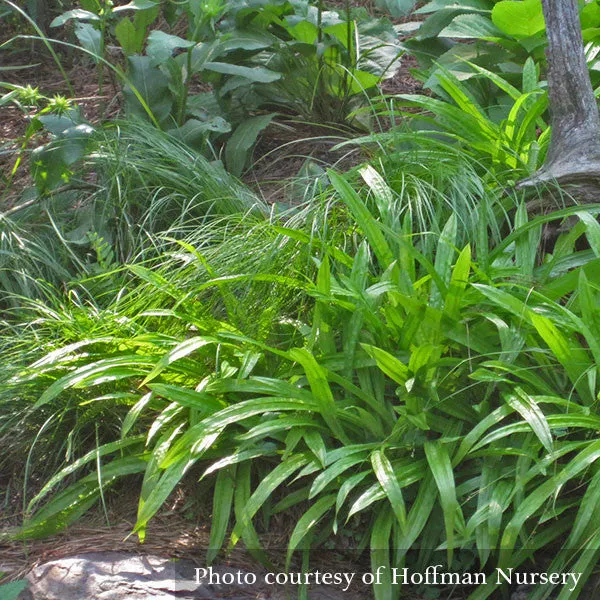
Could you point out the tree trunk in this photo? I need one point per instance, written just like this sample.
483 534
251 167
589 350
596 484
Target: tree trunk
574 153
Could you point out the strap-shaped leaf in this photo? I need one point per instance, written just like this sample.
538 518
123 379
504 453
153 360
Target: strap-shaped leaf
364 219
441 467
306 523
222 502
387 478
322 395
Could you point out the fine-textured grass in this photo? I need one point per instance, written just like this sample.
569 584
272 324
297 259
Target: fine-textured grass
507 142
137 188
384 364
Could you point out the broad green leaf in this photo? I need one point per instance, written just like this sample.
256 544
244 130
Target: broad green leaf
314 440
78 497
475 434
239 456
500 82
382 193
526 246
108 369
589 15
265 490
200 401
381 532
237 150
134 412
589 305
458 283
334 471
292 499
443 259
180 351
371 495
12 590
136 5
531 118
348 486
144 17
534 501
130 38
157 497
420 512
195 133
322 395
587 515
269 386
77 14
361 81
467 103
396 8
584 566
157 456
90 39
242 494
592 231
321 333
390 365
153 97
161 46
530 77
472 26
568 352
519 18
555 422
254 74
271 427
93 455
466 5
364 219
245 40
527 407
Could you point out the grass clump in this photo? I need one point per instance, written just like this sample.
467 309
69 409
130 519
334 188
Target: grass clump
414 379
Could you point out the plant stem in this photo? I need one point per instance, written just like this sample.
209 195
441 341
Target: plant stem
105 16
349 61
188 75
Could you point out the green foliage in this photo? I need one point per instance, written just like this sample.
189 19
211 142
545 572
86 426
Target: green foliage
499 36
94 19
519 19
423 371
51 162
294 57
147 187
92 22
508 142
328 61
399 361
11 591
397 8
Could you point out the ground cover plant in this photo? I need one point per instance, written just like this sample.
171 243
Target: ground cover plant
405 361
429 370
235 59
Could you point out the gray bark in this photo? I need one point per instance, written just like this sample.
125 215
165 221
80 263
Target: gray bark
574 152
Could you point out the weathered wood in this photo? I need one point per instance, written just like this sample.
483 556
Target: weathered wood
574 152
